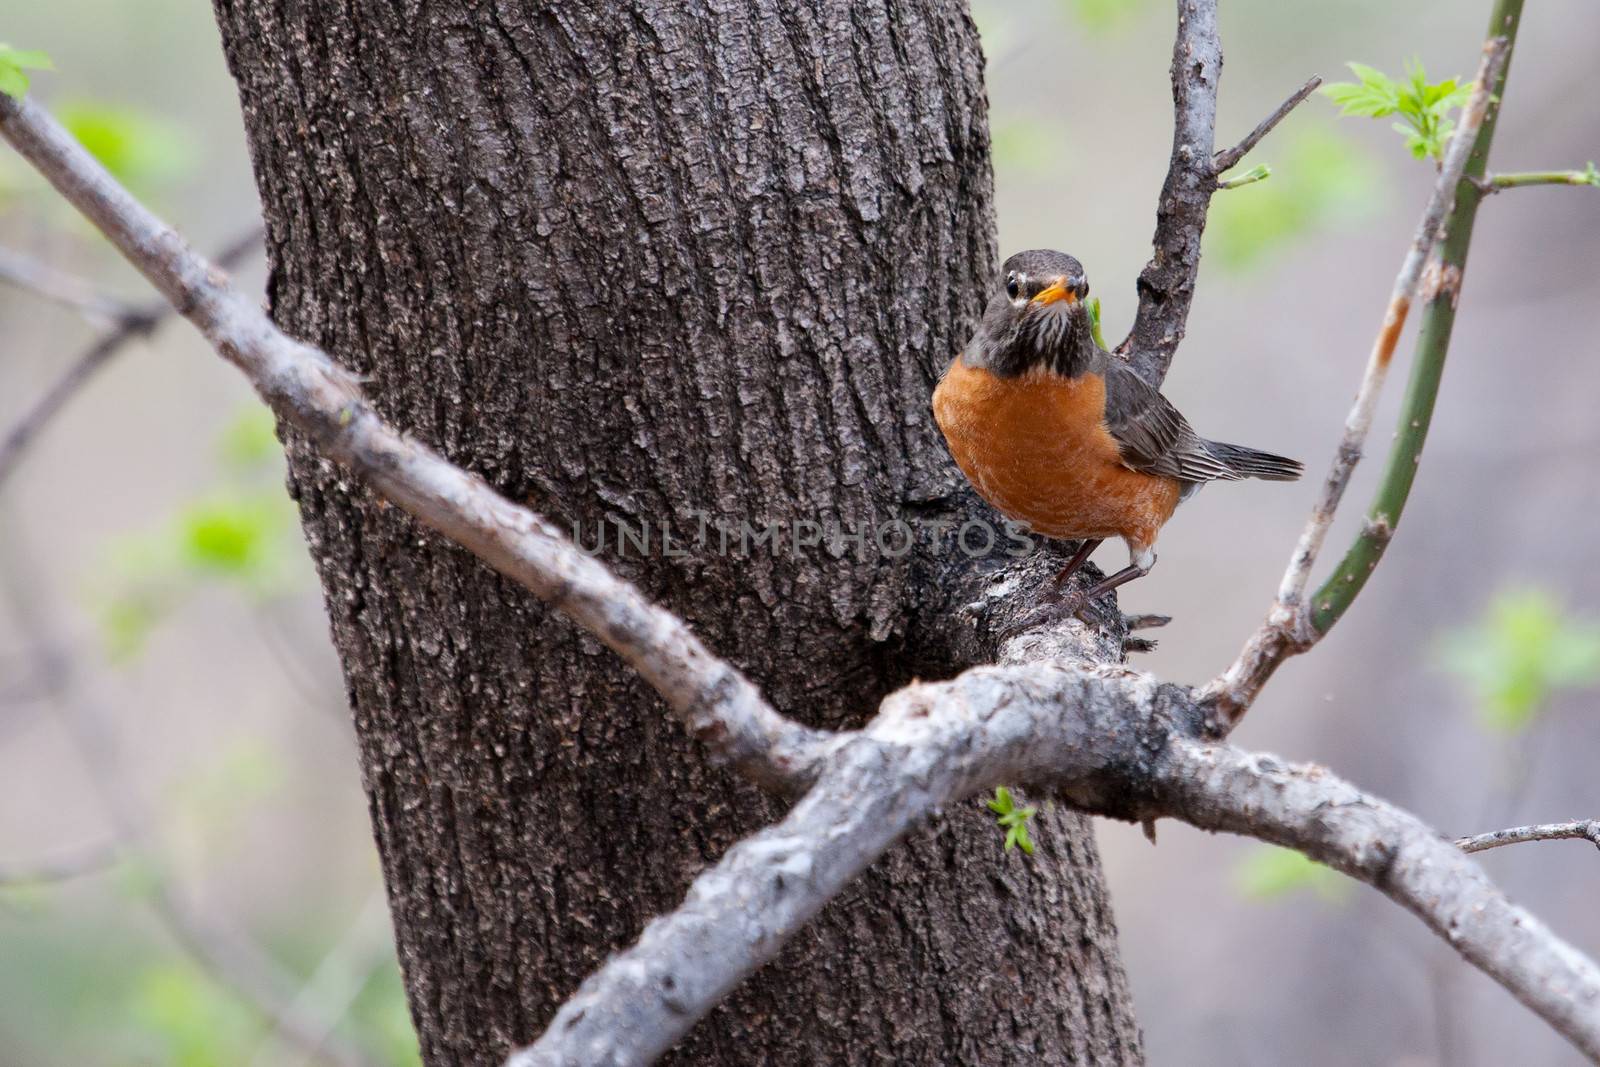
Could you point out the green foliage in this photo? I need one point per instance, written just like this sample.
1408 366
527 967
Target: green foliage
250 441
138 149
189 1021
1012 819
1323 179
1020 144
1591 175
241 534
1268 872
13 63
1521 653
229 536
1424 107
382 1013
1104 16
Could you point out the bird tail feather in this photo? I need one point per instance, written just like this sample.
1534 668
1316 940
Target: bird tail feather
1253 463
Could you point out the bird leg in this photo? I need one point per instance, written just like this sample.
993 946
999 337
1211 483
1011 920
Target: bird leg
1086 548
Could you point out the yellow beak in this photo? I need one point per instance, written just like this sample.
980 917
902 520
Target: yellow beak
1056 290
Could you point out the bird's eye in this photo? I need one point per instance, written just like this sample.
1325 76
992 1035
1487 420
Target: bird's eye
1011 286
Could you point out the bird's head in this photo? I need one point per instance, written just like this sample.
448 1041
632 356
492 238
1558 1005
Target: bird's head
1037 318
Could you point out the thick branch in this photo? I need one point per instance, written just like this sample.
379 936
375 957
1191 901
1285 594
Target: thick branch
1166 284
1108 741
1578 830
305 387
1218 787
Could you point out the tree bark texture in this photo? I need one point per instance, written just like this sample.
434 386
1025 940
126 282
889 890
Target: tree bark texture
659 263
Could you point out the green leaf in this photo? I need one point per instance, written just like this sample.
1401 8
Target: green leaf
13 82
1522 652
1002 802
224 536
1268 872
1012 819
1094 323
138 149
1424 106
26 58
194 1020
13 61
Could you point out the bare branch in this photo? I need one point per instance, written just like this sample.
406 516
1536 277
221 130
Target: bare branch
306 387
331 990
1107 741
1228 157
62 288
1166 284
1288 628
233 961
134 323
1218 787
1579 830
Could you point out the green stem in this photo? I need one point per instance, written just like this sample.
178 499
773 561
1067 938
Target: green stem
1544 177
1433 343
1254 174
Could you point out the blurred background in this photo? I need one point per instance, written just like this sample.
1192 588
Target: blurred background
182 832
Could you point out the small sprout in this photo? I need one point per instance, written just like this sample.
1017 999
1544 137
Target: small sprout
1013 820
1259 172
1425 107
13 61
1591 176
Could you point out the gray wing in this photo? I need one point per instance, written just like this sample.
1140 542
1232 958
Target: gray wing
1151 434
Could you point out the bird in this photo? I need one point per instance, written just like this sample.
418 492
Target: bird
1065 437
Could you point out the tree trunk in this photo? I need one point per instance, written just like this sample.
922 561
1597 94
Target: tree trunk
662 264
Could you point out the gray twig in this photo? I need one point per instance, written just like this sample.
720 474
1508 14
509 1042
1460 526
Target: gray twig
131 323
1230 156
62 868
59 287
232 960
1579 829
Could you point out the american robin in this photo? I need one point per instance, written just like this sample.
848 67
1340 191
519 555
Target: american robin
1060 434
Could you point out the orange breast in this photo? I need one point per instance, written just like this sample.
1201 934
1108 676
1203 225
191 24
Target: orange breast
1036 447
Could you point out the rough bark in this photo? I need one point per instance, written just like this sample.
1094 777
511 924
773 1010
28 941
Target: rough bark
649 262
